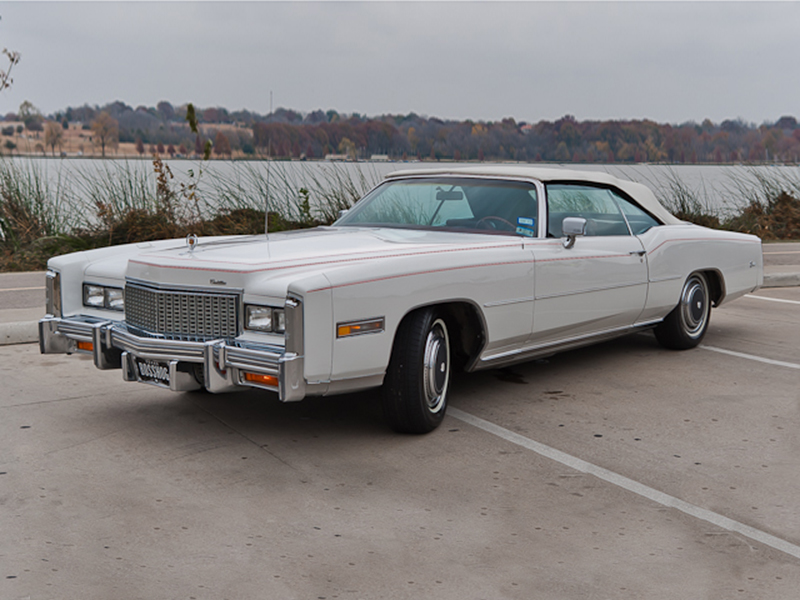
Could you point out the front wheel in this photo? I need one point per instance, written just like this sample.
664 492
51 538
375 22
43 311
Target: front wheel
685 326
418 378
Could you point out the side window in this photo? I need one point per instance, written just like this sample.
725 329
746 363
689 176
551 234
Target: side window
638 220
597 205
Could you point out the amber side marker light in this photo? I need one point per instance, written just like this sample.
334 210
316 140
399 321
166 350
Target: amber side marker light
359 327
262 379
88 346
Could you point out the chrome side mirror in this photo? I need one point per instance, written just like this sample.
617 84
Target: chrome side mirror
572 227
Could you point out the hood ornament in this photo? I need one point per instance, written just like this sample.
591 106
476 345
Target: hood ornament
191 242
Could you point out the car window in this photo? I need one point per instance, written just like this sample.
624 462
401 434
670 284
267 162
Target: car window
487 206
638 220
597 205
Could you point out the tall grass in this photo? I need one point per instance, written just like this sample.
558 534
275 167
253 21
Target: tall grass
117 202
43 213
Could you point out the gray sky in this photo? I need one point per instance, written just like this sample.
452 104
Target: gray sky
670 62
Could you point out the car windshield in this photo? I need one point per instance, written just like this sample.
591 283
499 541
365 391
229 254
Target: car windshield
507 207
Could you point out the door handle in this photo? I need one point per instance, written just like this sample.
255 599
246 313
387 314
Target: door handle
638 252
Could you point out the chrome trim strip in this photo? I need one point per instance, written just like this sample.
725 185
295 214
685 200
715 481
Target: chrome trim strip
184 287
589 290
548 348
507 302
156 348
660 279
53 293
292 364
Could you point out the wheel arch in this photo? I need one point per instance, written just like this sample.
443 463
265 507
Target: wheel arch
466 325
716 284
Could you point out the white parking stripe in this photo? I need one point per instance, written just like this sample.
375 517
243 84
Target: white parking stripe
772 299
769 361
628 484
22 289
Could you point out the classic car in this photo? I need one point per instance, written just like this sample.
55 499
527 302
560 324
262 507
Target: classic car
431 272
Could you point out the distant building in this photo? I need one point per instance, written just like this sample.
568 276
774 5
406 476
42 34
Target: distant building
379 158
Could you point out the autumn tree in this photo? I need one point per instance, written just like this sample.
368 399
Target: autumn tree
53 135
140 146
30 116
222 147
106 131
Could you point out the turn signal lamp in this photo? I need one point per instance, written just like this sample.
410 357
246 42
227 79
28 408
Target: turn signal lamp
86 346
270 380
359 327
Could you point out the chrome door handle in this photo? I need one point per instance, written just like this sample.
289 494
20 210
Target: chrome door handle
638 252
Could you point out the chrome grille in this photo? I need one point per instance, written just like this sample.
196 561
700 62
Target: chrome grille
182 314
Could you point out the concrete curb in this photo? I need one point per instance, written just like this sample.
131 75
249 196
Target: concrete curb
24 332
27 332
773 280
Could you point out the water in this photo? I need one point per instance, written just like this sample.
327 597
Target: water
721 188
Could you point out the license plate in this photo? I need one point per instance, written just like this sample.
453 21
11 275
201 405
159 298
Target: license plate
152 371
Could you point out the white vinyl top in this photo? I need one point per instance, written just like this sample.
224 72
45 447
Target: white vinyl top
643 195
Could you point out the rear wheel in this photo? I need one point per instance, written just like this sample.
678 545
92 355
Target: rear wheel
685 326
418 378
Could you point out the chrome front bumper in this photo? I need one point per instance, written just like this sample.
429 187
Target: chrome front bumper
113 346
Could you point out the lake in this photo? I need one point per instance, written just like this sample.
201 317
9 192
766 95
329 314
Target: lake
718 187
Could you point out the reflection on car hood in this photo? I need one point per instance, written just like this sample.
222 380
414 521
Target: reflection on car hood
324 245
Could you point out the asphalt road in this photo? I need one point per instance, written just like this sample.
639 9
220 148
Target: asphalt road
620 471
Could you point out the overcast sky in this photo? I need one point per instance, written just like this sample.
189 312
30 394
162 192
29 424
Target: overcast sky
670 62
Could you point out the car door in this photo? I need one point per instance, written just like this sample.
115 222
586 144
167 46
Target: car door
599 283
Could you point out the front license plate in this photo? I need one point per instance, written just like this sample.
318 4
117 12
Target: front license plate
153 371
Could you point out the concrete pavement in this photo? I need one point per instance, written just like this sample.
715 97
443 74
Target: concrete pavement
121 490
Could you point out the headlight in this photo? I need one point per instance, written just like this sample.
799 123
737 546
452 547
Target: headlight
264 318
115 299
98 296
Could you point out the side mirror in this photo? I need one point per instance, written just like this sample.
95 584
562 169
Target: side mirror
572 227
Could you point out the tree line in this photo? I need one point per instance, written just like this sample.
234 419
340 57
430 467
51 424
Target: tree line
286 134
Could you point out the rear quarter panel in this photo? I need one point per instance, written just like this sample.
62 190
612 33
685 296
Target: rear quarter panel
676 251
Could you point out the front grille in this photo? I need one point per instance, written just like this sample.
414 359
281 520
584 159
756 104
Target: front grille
182 314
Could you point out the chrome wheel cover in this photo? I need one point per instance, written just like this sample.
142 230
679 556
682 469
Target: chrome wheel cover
694 305
436 366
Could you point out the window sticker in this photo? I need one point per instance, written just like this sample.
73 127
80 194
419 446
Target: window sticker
526 226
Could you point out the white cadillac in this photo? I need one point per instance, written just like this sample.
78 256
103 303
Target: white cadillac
431 272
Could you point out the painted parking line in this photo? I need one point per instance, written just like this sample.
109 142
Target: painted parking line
630 485
761 359
772 299
22 289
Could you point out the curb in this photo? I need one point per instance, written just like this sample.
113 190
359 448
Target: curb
25 332
773 280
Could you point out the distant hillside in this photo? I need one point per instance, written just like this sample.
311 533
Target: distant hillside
289 134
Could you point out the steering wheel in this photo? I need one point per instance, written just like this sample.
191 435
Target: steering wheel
495 222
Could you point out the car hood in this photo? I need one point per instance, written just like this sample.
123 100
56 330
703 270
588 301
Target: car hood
242 261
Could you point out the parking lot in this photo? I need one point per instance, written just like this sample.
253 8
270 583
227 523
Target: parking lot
617 471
